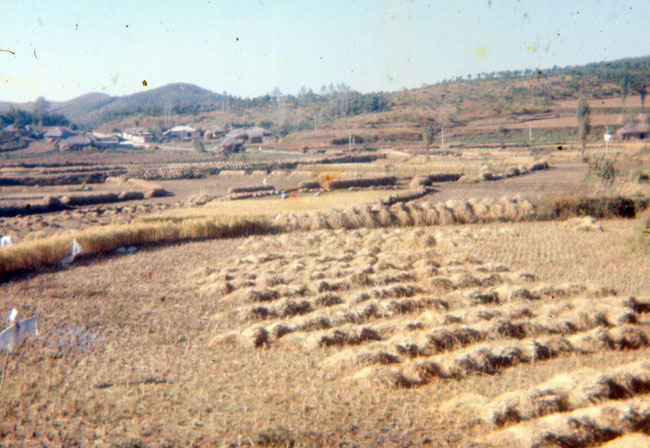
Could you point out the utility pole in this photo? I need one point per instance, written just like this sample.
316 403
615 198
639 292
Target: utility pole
442 137
350 140
530 133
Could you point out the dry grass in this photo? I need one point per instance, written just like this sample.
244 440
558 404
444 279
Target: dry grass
31 255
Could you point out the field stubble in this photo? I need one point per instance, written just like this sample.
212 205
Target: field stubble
360 336
366 337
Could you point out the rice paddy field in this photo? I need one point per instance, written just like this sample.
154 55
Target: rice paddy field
339 318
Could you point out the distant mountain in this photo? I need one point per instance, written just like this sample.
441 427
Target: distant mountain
95 108
80 109
497 89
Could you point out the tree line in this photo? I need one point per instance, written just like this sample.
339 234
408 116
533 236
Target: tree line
21 118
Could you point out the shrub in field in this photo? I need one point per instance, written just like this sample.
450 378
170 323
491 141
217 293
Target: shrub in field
602 168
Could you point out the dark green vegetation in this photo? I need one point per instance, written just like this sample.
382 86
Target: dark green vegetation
20 118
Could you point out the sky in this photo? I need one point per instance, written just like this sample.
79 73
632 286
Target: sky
61 50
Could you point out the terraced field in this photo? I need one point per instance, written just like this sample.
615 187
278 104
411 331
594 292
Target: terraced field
398 308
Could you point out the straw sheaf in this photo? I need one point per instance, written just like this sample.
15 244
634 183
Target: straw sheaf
579 428
407 215
492 357
568 392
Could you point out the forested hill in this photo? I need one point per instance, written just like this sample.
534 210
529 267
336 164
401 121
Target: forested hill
629 76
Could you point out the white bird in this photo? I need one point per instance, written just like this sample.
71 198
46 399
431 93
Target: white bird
283 195
75 250
264 181
6 241
12 336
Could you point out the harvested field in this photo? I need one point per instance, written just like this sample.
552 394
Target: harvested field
428 316
392 319
453 319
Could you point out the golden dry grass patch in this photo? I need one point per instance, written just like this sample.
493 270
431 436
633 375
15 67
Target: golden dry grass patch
38 253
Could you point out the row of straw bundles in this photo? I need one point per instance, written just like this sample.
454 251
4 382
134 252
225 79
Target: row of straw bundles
52 203
400 214
33 254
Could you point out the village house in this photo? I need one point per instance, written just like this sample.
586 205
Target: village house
111 141
56 133
214 133
183 132
25 131
237 138
233 144
75 143
137 136
258 135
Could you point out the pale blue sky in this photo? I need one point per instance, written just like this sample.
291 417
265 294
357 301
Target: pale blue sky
65 49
